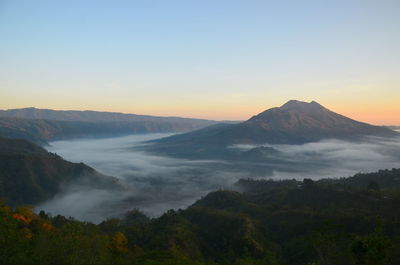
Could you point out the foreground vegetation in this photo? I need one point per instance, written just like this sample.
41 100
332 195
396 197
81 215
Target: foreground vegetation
345 221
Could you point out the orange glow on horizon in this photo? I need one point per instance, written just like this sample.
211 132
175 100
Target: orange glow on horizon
384 114
376 116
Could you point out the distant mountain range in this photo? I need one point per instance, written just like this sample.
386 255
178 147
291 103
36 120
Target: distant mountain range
42 125
295 122
30 175
93 116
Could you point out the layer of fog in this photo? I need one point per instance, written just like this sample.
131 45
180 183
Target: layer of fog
155 184
333 158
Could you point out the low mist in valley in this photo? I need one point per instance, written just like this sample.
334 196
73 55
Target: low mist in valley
333 158
150 183
155 184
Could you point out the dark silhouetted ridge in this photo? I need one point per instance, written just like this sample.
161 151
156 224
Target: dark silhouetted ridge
29 174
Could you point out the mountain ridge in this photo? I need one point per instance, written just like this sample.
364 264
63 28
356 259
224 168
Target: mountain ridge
302 115
43 125
87 115
295 122
30 175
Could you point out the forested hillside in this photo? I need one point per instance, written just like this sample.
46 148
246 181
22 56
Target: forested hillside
345 221
29 174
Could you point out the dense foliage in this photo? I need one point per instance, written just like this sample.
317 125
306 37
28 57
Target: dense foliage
344 221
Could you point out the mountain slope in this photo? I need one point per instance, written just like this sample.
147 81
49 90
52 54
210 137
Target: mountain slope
29 174
37 131
40 131
301 121
295 122
42 125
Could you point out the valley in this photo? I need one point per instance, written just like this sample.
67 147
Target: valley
157 183
199 132
254 185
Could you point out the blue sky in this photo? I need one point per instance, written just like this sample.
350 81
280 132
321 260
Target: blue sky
210 59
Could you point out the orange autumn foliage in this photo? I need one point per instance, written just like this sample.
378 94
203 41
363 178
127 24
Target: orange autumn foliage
21 218
47 227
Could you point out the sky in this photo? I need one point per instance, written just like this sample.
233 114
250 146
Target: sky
214 59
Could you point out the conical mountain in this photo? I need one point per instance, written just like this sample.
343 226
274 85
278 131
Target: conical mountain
298 121
295 122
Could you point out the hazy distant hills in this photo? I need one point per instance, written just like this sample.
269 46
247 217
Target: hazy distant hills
393 127
41 125
295 122
94 116
29 174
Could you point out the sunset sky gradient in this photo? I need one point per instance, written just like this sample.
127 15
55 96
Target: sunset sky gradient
211 59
